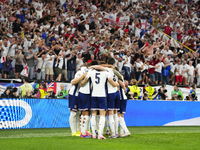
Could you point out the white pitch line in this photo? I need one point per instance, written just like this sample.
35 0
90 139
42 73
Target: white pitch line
36 135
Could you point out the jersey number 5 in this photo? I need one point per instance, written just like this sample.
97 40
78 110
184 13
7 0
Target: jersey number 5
97 78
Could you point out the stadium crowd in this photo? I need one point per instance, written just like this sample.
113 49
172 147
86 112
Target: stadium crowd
54 38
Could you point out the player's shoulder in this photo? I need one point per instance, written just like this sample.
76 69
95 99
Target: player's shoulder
79 74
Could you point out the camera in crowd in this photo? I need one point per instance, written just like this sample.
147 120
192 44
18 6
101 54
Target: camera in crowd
53 95
176 97
164 91
191 97
35 91
60 94
10 93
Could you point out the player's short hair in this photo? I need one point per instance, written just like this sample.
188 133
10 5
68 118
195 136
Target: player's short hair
111 61
94 62
101 62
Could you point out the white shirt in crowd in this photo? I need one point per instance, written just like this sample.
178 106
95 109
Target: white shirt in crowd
12 50
172 67
179 72
42 63
159 69
185 67
198 67
79 63
138 66
49 63
120 65
191 70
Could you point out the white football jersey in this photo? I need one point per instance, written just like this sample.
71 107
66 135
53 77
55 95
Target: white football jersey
75 88
112 89
122 93
98 79
87 87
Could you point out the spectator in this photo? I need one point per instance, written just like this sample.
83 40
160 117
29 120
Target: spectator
42 93
30 56
19 58
26 86
49 65
177 92
179 73
166 72
28 94
7 66
71 65
79 61
63 93
139 67
134 89
185 72
191 73
151 91
41 66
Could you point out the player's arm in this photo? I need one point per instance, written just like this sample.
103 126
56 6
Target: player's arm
122 85
117 74
84 81
77 80
98 67
109 66
114 84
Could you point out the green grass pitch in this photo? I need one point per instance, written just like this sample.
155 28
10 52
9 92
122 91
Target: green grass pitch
142 138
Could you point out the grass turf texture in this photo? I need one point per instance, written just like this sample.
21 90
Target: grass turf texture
142 138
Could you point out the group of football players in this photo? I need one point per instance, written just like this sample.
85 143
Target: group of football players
98 91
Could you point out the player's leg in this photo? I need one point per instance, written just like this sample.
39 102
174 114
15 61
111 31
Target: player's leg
93 123
72 118
102 103
123 126
72 122
116 108
86 105
78 129
94 108
110 103
101 124
106 124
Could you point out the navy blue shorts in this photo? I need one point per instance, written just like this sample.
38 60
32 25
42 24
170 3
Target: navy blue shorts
99 103
84 101
117 101
113 101
73 102
123 104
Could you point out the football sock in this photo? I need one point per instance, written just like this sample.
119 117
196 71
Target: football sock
101 125
97 120
112 125
85 124
106 123
78 121
93 124
116 123
88 124
121 130
123 124
72 122
81 122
